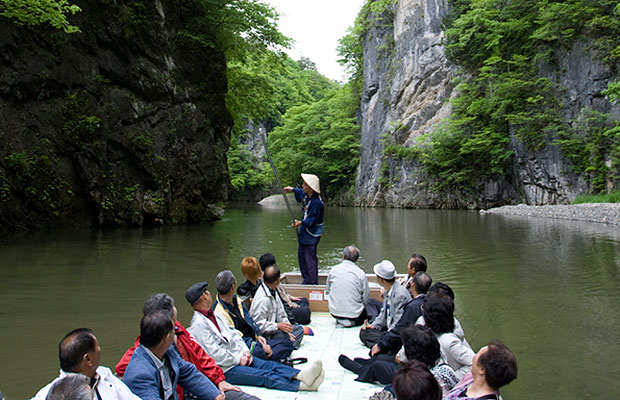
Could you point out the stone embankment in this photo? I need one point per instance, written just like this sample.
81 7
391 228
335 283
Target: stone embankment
606 213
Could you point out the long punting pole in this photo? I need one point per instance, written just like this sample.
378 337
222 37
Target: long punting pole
275 172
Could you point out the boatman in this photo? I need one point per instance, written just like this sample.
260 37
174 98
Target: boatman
310 227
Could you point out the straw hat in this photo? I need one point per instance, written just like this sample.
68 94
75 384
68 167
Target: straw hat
312 181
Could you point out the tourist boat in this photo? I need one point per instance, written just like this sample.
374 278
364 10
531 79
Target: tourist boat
291 281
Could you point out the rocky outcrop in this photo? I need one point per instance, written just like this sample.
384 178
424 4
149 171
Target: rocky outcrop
406 92
123 124
406 89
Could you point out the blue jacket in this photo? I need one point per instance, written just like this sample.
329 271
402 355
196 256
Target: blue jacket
143 378
313 209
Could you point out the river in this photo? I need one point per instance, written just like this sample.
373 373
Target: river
549 289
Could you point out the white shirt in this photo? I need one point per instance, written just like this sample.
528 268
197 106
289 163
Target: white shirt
108 386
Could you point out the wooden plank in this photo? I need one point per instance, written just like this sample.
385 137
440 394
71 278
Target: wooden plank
291 282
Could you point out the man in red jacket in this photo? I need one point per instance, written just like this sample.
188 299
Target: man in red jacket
189 350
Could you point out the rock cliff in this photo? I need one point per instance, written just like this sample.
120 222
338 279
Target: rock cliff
407 85
122 124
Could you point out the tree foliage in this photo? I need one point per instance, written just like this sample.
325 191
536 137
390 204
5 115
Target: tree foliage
37 12
499 46
261 89
321 138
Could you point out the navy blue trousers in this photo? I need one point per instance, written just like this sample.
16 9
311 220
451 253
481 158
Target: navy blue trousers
308 264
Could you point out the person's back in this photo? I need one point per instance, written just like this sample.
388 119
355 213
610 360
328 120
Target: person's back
347 287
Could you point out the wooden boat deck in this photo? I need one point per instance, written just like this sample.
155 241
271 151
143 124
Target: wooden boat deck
327 344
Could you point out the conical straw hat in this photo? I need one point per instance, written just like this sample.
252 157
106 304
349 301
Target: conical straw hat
312 181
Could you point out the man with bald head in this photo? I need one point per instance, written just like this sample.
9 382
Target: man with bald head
347 290
79 354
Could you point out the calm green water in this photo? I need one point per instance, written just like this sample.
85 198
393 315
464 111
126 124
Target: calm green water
549 289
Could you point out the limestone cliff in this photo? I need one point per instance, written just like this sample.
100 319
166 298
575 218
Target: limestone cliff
407 85
123 124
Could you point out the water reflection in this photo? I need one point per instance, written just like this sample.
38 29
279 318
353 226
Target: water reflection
548 288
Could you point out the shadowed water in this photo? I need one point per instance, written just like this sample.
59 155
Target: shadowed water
550 289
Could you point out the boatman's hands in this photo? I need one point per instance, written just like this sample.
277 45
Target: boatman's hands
296 224
287 189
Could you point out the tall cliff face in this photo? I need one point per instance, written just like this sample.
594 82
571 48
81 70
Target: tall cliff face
406 92
406 89
121 124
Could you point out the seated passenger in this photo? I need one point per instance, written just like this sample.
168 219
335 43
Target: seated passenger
415 382
493 367
238 317
396 296
156 368
79 353
297 308
438 314
347 290
71 387
420 344
391 342
417 263
231 353
188 349
268 311
252 272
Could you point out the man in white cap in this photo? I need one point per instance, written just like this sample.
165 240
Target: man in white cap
396 296
310 227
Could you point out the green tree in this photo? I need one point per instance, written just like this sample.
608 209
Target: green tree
322 138
37 12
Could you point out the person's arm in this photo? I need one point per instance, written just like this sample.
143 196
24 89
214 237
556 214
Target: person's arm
201 360
211 343
311 216
462 353
365 290
124 361
144 385
392 338
195 382
379 320
299 194
260 313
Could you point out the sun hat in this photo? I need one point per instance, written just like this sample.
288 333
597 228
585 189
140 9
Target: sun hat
195 291
312 181
385 269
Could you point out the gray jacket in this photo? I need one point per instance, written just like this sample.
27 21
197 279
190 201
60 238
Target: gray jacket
267 310
347 288
392 308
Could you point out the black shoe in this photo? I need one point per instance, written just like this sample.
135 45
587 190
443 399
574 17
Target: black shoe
349 364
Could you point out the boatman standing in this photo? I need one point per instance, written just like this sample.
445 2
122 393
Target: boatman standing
310 227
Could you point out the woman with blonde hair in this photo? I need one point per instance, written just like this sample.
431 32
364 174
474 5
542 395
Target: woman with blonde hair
250 268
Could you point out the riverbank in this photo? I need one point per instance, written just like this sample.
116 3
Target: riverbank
605 213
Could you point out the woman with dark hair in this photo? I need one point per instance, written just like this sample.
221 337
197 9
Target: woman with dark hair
415 382
420 344
494 366
438 313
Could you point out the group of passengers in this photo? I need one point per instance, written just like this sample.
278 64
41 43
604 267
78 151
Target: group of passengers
226 344
417 347
245 336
